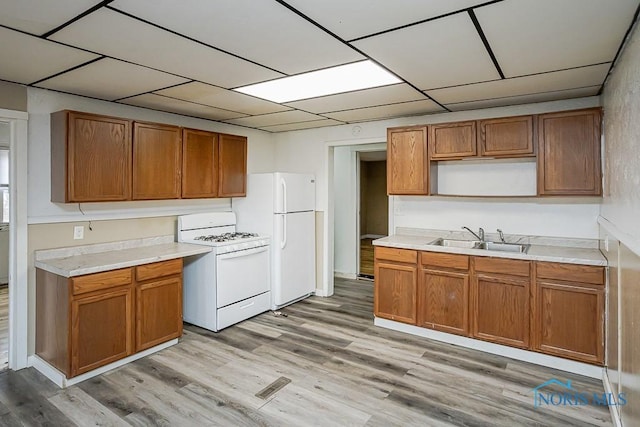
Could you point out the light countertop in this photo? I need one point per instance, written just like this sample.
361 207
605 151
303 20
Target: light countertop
89 259
537 252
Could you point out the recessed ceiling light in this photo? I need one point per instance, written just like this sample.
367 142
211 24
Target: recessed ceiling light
343 78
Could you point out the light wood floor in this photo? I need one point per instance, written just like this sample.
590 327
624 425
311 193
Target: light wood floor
4 325
336 367
366 257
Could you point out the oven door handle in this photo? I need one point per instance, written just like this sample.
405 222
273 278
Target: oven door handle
245 252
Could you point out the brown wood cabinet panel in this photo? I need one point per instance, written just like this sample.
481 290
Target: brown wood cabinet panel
98 281
158 312
199 164
395 291
444 260
407 161
101 329
158 269
157 161
500 310
90 158
570 272
232 165
569 153
502 266
570 321
395 254
52 320
452 140
443 301
506 137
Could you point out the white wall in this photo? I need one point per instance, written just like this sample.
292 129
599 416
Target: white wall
41 103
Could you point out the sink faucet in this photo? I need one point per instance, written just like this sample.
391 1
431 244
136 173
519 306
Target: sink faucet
479 236
501 235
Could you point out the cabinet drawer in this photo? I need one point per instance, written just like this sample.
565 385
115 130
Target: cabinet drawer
502 266
444 260
570 272
394 254
158 269
97 281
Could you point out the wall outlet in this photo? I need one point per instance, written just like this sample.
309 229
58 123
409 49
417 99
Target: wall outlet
78 232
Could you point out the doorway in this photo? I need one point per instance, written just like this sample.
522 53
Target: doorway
373 207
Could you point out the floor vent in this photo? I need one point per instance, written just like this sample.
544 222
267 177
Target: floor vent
273 387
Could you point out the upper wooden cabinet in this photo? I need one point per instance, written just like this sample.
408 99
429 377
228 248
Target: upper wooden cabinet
452 140
157 161
569 153
232 165
90 158
506 137
407 161
199 164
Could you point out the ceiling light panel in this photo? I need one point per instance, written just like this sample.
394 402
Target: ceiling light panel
162 103
303 125
526 99
223 98
358 18
545 35
439 53
104 79
282 118
116 35
547 82
26 59
387 111
263 31
359 99
343 78
39 17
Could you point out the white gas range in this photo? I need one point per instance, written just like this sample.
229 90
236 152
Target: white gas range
232 282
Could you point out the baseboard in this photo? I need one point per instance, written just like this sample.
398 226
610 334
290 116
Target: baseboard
340 275
59 379
372 236
613 409
579 368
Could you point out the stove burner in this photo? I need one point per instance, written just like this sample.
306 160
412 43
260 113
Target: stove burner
225 237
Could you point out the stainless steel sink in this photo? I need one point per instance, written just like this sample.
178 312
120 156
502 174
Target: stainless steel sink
470 244
502 247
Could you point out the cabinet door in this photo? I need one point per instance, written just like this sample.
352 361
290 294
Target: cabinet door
407 162
158 312
156 161
395 291
569 153
506 137
199 164
232 165
501 310
90 158
452 140
569 321
101 329
443 301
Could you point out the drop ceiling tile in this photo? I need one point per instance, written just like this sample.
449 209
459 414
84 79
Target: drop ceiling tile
116 35
111 79
358 18
38 17
526 99
162 103
303 125
285 117
547 82
439 53
26 59
359 99
223 98
536 36
386 111
263 31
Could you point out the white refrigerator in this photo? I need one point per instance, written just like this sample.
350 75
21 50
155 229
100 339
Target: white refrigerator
282 205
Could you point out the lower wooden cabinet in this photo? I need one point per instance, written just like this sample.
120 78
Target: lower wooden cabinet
395 284
85 322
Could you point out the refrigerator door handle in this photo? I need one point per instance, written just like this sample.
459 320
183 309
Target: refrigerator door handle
283 241
284 195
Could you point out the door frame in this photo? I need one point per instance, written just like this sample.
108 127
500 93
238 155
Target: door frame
18 233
